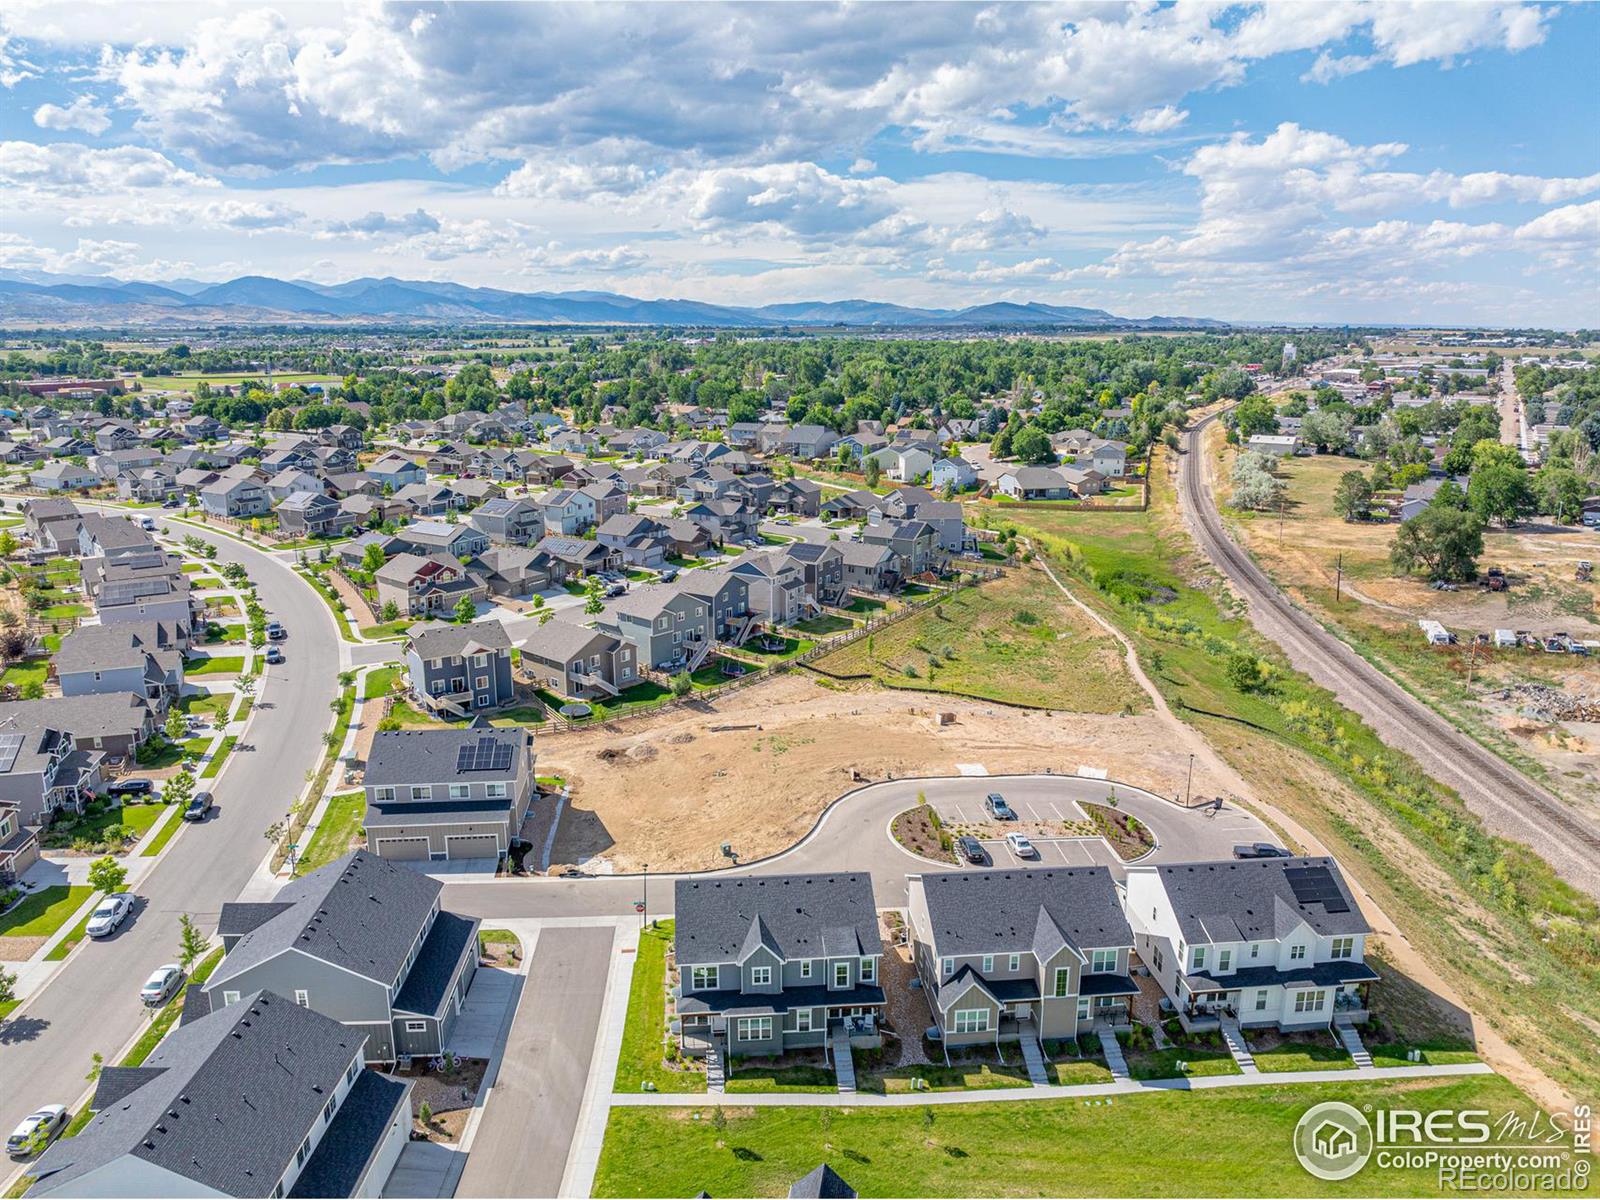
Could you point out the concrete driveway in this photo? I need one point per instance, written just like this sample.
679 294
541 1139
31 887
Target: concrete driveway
481 1025
522 1144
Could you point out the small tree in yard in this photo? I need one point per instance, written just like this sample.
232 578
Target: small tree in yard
391 611
13 642
107 875
465 610
594 590
8 986
180 787
191 942
373 557
1352 499
682 684
245 685
176 726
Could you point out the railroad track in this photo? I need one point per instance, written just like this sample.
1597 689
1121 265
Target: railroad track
1509 802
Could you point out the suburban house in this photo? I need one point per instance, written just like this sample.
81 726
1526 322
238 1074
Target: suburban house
448 793
509 522
361 940
312 514
772 963
689 540
236 497
956 474
1010 955
725 520
441 537
19 845
1274 445
579 663
150 586
1108 458
430 499
641 541
458 670
513 571
578 555
667 627
913 542
1272 941
1035 483
567 511
263 1098
798 497
143 657
807 441
41 767
823 566
53 523
869 567
419 585
285 483
395 471
777 587
610 499
63 475
101 536
727 598
147 485
903 464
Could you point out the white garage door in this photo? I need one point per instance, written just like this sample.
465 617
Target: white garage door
403 848
472 845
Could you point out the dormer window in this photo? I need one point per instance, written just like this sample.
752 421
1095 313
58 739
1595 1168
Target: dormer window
1197 958
1343 947
1296 953
760 976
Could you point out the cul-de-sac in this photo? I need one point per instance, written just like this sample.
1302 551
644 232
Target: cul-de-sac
799 600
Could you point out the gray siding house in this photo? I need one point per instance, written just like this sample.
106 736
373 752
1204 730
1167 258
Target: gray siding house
508 522
459 670
361 940
142 657
41 768
1010 954
771 963
448 793
578 663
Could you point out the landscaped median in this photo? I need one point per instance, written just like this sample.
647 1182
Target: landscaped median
1214 1142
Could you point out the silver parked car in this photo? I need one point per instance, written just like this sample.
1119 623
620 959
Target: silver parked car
161 986
37 1130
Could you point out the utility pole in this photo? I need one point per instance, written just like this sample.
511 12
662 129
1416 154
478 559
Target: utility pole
1338 577
1189 783
1472 659
645 924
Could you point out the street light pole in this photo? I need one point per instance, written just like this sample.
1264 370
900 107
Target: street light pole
1189 783
646 922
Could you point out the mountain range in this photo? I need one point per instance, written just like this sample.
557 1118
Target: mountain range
36 298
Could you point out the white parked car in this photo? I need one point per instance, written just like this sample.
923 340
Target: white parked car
163 982
37 1131
113 910
1021 846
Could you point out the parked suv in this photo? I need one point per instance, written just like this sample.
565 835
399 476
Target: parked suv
971 849
997 807
131 787
276 632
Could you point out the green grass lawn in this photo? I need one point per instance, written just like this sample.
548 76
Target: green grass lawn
1435 1052
870 606
63 612
205 704
1015 639
164 1020
974 1075
141 818
643 1038
640 695
1166 1143
227 664
792 647
23 673
220 757
333 837
44 912
154 846
224 633
794 1077
388 629
65 945
380 682
824 625
524 715
1321 1055
1163 1064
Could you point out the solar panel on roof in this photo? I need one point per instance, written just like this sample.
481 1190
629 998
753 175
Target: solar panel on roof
10 747
1316 885
485 754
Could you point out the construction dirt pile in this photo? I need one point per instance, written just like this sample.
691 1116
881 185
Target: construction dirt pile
1540 703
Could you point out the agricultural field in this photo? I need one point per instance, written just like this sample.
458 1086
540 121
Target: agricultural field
1015 640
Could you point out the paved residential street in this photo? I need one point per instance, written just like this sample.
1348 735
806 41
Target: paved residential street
528 1124
92 1003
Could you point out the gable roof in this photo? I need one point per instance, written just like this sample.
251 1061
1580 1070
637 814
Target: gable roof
400 757
360 912
224 1101
439 640
794 916
562 641
1012 911
1253 899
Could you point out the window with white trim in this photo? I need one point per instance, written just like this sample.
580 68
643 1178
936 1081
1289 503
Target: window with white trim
802 1020
421 792
355 1069
1014 963
1158 958
1063 982
841 975
383 794
760 976
755 1029
947 967
460 791
1224 960
300 1154
1083 1008
327 1110
302 998
1296 953
1197 958
498 791
869 970
1261 1000
971 1020
1101 961
1255 949
805 968
988 964
1306 1002
1343 947
230 998
704 978
416 1027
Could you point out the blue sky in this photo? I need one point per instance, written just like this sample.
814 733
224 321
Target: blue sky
1331 161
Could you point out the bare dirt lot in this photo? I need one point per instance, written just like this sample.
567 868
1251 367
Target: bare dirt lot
669 790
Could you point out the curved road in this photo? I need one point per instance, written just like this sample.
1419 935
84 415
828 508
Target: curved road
1509 803
92 1002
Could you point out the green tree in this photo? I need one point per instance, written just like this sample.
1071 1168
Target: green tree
465 610
1443 543
1352 499
872 471
107 875
1255 487
594 590
1560 492
176 725
8 986
191 942
8 543
373 557
682 684
390 612
1500 492
1032 445
1244 672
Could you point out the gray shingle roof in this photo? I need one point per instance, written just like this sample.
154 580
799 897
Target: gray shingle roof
401 757
346 1149
236 1093
1251 900
562 641
796 916
1013 911
442 951
359 912
438 640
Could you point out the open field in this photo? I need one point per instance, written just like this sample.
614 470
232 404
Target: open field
1377 613
1015 639
1217 1143
191 383
1481 925
667 790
